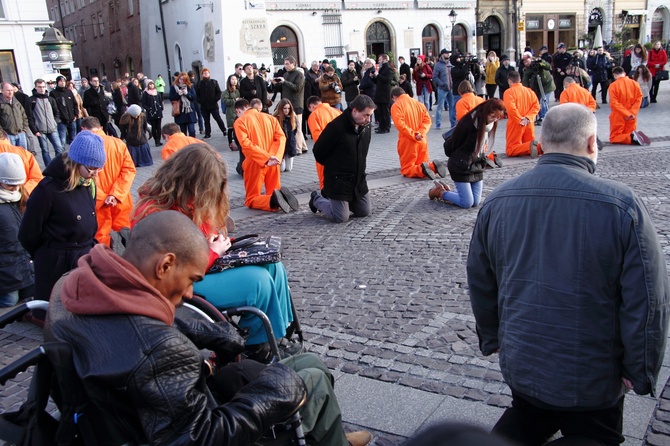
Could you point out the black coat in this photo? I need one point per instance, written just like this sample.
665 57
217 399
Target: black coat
367 86
350 85
343 153
134 94
383 81
463 166
66 103
16 270
95 103
208 93
58 227
152 105
256 88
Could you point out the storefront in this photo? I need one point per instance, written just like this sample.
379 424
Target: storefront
550 30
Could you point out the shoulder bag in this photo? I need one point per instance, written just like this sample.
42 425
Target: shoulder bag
249 250
176 107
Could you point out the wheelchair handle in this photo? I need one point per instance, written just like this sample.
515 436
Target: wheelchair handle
21 365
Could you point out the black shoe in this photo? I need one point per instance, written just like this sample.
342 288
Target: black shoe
653 101
278 201
427 171
604 102
225 132
158 143
290 198
441 168
311 202
259 352
206 136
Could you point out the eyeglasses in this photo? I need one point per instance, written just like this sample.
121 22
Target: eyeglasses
92 170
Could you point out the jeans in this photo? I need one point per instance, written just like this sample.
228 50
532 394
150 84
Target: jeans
443 95
645 102
198 113
544 106
466 196
424 97
66 132
9 299
44 145
188 128
452 109
339 210
18 140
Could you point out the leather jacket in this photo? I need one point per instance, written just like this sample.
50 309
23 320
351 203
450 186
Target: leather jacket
146 377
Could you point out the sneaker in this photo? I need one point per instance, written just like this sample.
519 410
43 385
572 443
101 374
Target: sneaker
288 348
427 171
441 168
497 160
533 149
290 198
640 138
359 438
278 201
311 202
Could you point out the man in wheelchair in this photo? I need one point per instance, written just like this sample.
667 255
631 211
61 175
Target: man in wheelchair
144 371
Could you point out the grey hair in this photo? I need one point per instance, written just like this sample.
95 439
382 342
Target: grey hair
567 127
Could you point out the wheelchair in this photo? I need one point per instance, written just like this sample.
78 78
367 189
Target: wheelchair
57 410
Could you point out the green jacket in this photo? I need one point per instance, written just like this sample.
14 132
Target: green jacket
530 77
160 85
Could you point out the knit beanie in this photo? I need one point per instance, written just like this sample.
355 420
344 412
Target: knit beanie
134 110
88 149
12 170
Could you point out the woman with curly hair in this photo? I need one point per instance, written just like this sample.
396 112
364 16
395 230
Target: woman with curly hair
194 181
287 120
182 95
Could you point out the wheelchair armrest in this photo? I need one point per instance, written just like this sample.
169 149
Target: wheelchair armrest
21 365
237 311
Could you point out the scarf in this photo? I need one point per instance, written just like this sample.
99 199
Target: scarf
8 196
153 92
185 105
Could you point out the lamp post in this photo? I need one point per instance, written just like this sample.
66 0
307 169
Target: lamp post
452 18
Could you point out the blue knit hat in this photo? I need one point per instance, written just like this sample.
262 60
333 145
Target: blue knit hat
88 149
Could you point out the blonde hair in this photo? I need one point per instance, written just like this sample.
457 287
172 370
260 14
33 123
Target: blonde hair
193 181
72 169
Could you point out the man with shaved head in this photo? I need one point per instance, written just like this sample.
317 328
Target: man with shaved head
141 368
568 284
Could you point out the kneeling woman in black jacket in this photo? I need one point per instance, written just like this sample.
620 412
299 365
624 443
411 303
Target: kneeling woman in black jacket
466 149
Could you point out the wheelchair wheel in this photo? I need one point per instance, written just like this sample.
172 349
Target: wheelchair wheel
197 307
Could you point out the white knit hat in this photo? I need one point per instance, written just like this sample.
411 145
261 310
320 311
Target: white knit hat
134 110
12 170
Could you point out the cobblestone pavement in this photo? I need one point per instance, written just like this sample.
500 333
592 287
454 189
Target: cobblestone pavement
385 297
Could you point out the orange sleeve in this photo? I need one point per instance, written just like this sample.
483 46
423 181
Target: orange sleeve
278 143
247 132
510 99
33 172
617 95
126 172
398 111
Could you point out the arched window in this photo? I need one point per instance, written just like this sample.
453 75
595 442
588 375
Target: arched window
377 39
284 43
459 39
430 41
178 62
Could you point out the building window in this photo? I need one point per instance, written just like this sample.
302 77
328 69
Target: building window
94 24
284 43
8 71
101 23
83 30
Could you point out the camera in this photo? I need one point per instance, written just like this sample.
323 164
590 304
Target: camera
336 87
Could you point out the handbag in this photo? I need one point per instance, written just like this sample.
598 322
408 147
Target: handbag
176 107
249 250
662 75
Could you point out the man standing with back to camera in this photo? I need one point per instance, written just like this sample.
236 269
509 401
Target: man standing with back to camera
578 311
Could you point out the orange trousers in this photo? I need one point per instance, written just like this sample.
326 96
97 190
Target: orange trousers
412 154
518 138
111 218
620 129
319 173
255 177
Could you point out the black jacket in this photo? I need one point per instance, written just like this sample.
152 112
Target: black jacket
67 104
95 103
134 94
152 105
16 270
463 166
459 72
383 81
256 88
208 93
343 153
350 85
146 378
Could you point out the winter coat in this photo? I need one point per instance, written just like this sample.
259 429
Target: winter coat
229 98
66 103
543 69
291 143
598 66
463 165
129 131
501 76
459 73
95 102
566 336
490 69
343 153
293 89
16 270
367 86
440 76
423 81
13 118
383 80
656 57
208 93
184 117
152 105
256 88
350 85
44 116
134 94
327 89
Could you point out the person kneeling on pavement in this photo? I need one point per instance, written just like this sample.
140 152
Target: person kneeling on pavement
144 371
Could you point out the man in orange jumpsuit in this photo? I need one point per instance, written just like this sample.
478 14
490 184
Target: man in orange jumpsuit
113 202
175 140
625 101
522 108
573 92
262 141
468 101
33 171
320 115
413 122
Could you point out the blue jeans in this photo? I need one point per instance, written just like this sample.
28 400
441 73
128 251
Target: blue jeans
66 132
544 105
445 98
198 112
645 102
18 140
466 196
424 97
44 145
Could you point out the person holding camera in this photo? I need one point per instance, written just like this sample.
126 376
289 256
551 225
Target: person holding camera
537 76
331 88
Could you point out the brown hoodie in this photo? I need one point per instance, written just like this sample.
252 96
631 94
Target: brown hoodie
105 283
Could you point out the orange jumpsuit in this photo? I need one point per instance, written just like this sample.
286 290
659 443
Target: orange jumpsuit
260 137
115 178
317 121
625 100
520 102
579 95
176 142
411 117
33 172
466 104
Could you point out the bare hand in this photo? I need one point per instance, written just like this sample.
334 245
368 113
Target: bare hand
218 243
627 383
111 201
629 118
273 161
524 122
418 136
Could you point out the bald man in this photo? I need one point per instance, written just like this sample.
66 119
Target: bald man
118 313
522 107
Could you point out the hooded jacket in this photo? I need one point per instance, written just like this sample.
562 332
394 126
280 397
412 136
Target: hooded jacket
143 374
13 118
44 116
66 103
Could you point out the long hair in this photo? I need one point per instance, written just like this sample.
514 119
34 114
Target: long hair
130 120
279 112
480 117
72 169
643 53
184 76
646 74
193 181
228 85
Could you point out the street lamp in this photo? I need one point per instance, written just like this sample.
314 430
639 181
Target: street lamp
452 17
